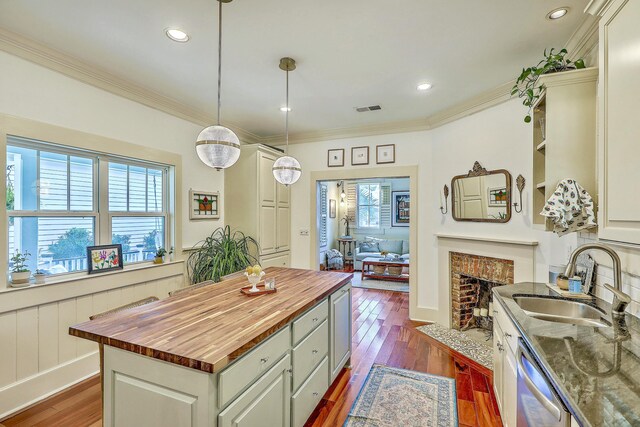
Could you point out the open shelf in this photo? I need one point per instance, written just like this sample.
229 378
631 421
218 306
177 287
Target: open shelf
541 146
541 185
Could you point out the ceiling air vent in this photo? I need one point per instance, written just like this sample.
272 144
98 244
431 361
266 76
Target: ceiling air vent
370 108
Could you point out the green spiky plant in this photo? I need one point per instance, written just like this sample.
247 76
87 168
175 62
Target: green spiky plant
222 253
527 83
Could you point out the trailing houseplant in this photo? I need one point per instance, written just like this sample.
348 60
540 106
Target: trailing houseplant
222 253
20 273
527 86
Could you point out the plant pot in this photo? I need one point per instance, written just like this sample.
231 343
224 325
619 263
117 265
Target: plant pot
40 278
395 271
379 269
20 277
158 260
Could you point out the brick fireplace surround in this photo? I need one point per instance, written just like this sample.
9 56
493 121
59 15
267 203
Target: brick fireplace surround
467 272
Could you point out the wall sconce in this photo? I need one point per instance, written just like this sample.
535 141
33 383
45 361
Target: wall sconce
444 209
520 185
343 194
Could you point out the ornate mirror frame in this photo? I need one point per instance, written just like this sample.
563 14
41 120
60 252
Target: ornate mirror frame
478 170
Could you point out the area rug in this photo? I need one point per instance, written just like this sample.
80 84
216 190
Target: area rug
474 350
392 397
382 285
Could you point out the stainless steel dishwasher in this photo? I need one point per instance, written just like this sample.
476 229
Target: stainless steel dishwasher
538 403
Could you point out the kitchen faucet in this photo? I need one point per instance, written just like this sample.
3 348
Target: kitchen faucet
620 299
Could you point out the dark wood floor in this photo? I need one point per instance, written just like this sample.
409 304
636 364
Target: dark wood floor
382 333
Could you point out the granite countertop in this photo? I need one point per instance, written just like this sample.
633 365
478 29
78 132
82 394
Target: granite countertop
596 371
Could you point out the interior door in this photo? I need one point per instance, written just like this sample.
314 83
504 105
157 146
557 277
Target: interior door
473 203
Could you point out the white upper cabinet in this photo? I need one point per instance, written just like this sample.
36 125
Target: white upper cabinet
619 122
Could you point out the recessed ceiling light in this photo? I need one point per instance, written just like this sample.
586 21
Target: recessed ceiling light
558 13
424 86
285 109
177 35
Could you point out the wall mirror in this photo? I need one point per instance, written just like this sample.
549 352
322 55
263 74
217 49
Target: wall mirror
481 195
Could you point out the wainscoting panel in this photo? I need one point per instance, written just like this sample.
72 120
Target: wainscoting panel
38 357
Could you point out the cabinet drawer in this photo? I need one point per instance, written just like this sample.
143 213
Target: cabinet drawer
309 353
278 260
309 321
305 400
245 370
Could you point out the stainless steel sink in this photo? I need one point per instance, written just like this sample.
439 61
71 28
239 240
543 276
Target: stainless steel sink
563 311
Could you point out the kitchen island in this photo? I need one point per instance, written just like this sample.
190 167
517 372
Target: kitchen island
215 357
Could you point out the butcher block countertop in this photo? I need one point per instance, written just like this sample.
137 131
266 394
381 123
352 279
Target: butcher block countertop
210 327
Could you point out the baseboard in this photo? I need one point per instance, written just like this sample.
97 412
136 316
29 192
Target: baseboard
28 391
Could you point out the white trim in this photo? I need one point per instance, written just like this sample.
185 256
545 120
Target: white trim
24 393
522 242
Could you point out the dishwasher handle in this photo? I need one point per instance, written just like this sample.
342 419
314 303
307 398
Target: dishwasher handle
544 400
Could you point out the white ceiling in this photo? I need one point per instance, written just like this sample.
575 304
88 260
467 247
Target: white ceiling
350 53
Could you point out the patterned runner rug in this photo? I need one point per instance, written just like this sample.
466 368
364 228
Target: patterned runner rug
392 397
481 353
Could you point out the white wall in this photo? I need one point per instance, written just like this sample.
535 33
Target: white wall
496 137
30 91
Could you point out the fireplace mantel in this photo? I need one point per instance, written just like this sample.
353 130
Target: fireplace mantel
523 242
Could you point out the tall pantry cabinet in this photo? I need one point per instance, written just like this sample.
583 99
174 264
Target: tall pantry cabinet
257 205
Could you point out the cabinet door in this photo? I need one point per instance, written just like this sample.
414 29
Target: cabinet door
619 213
283 229
266 403
268 229
498 349
283 193
266 181
340 330
509 388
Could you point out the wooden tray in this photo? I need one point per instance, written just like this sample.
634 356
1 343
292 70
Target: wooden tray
568 294
262 290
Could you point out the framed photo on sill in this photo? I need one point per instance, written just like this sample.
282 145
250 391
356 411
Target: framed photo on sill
359 156
385 154
332 208
401 201
335 158
101 259
204 205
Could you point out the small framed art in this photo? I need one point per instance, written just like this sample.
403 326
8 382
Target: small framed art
401 208
204 205
497 197
385 153
332 208
359 156
101 259
335 158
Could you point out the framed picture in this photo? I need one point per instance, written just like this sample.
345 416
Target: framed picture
586 268
497 197
401 208
101 259
204 205
385 153
335 158
359 156
332 208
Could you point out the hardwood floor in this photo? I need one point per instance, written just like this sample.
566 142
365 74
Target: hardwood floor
382 333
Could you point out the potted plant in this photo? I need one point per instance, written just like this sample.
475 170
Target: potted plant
527 83
222 253
20 273
347 220
160 254
40 277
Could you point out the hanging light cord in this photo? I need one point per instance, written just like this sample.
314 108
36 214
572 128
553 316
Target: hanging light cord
219 56
286 120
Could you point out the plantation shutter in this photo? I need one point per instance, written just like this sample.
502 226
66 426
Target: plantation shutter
385 205
323 216
352 204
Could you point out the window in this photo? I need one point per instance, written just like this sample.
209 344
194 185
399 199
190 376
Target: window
323 216
368 205
61 200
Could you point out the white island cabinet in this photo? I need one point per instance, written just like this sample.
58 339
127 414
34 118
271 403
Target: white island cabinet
276 366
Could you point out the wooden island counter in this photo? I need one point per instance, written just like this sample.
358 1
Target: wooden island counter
214 357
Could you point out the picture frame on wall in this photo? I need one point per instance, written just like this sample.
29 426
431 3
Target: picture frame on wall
332 208
204 205
359 156
401 205
385 153
104 258
335 157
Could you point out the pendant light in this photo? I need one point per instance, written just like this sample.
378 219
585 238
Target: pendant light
286 169
217 146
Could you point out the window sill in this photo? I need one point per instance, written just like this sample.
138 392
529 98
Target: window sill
76 277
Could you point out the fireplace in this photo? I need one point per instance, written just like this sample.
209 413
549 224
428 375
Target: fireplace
472 279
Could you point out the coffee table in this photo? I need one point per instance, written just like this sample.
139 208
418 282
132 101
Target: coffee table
367 273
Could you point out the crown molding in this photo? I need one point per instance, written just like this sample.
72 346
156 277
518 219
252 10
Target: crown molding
597 7
584 39
584 75
29 50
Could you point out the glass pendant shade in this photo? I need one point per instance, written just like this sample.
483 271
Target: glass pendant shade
286 170
218 147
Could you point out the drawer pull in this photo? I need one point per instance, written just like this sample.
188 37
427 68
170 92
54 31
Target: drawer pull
315 319
500 347
264 360
508 335
315 394
314 352
495 311
344 290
